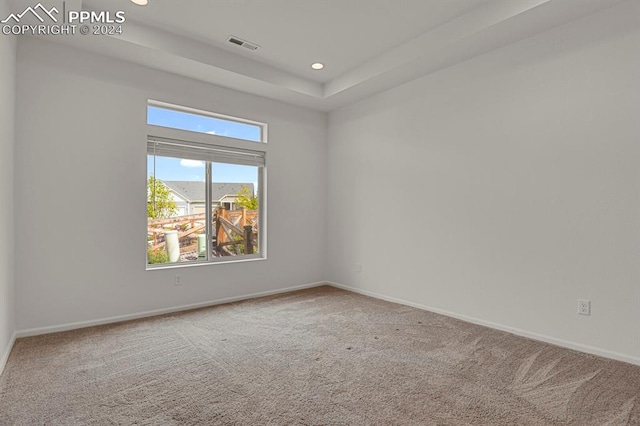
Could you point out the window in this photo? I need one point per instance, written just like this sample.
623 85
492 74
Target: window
205 191
203 122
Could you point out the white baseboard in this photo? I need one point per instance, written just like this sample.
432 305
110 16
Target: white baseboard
5 356
541 337
83 324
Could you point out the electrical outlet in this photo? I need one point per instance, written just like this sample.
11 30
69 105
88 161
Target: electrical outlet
358 267
584 307
178 281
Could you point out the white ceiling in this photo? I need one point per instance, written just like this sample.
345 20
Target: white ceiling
366 45
295 33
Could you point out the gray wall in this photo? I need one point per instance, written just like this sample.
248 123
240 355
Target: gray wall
504 188
7 142
81 138
501 189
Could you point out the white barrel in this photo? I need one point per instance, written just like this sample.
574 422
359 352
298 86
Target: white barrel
173 245
202 245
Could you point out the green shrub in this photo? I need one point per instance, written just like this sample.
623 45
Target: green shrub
157 256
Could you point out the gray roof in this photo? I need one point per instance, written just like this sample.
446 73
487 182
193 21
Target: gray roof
194 191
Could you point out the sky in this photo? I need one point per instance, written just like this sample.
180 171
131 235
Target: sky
184 169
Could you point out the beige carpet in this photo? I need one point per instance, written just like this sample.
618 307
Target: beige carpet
314 357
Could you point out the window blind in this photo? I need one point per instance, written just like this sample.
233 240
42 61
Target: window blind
204 152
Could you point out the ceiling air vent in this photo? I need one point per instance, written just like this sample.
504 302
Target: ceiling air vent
243 43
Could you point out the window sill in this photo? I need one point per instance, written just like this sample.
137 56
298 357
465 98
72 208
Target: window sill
196 263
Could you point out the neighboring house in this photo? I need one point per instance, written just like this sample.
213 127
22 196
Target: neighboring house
190 199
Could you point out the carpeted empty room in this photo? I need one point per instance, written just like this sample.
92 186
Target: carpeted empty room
319 212
321 356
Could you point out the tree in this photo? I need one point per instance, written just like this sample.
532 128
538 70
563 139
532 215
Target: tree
246 199
160 204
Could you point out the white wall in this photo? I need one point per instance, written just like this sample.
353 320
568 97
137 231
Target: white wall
7 142
509 182
504 188
80 131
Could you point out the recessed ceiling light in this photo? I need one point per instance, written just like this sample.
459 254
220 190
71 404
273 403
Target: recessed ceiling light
140 2
317 66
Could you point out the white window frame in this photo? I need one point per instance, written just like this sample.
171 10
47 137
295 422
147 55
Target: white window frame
263 126
216 142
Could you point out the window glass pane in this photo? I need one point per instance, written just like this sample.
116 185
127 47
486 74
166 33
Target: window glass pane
234 201
175 210
202 124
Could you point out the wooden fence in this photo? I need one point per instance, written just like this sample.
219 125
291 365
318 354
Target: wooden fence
234 232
